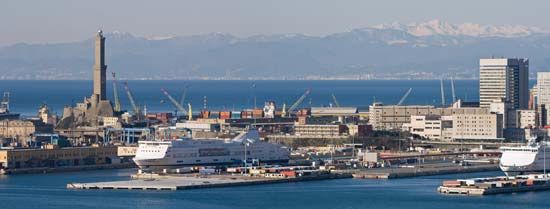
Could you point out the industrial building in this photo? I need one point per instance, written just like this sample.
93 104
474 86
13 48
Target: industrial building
392 117
22 132
51 158
478 127
320 130
526 118
433 127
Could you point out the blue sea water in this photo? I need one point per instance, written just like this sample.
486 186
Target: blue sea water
48 191
26 96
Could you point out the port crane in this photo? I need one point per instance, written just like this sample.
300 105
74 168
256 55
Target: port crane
115 93
190 112
135 108
442 93
336 103
453 90
298 102
178 106
404 97
183 95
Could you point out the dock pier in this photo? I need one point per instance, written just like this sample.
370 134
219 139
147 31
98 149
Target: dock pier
428 170
496 185
185 182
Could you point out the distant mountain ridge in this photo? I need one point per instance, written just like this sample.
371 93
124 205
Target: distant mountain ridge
437 27
392 51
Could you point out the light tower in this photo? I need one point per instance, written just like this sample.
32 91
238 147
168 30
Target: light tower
100 69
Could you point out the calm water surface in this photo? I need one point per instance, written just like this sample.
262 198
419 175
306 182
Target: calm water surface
48 191
26 96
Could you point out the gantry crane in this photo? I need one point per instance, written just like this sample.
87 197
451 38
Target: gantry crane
183 95
178 106
298 102
115 93
404 97
135 108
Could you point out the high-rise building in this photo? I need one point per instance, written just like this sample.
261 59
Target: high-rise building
100 69
543 96
504 78
543 88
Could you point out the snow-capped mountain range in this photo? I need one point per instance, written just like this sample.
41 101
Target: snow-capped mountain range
437 27
435 47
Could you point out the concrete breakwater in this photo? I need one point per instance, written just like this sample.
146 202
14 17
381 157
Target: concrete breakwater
195 182
66 168
404 172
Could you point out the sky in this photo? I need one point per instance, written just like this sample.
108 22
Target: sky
55 21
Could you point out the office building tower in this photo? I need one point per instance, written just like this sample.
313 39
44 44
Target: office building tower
504 78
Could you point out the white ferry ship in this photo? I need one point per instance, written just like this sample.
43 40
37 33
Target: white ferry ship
531 158
157 155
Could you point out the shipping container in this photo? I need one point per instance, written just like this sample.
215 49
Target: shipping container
257 113
246 114
225 115
205 114
289 173
235 115
451 183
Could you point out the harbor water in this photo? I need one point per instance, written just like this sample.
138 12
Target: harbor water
49 191
27 96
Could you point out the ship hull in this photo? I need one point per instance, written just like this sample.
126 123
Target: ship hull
149 165
525 160
153 156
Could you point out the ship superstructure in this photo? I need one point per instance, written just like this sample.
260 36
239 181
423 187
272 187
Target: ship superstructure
185 152
5 108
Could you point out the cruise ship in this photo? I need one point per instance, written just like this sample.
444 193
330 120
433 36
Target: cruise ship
185 152
527 159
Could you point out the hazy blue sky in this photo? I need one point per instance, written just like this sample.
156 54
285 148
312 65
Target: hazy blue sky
41 21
